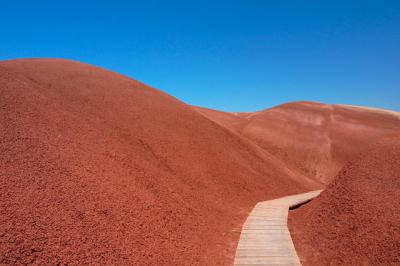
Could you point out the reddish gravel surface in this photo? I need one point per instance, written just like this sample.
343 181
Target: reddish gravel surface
317 139
356 220
98 168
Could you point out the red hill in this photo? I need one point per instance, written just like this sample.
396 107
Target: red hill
356 220
96 167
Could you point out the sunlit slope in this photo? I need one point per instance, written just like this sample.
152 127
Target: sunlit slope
98 168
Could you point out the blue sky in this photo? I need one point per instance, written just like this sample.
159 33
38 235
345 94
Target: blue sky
227 55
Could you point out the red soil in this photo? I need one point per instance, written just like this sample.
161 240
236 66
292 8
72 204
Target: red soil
98 168
316 139
356 220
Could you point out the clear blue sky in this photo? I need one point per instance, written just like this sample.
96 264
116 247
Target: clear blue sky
227 55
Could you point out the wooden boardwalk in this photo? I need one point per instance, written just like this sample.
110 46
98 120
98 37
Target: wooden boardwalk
265 237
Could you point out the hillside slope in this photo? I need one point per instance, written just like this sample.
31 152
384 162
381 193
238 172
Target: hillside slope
317 139
96 167
355 221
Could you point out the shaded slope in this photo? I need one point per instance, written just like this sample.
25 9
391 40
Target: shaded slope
96 167
317 139
355 221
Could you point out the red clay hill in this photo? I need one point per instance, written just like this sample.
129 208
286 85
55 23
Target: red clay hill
98 168
356 220
317 139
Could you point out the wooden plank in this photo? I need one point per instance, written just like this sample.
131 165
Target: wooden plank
265 238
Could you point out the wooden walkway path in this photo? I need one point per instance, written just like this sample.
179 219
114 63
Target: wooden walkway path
265 238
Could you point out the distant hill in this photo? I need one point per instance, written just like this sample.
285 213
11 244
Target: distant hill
317 139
